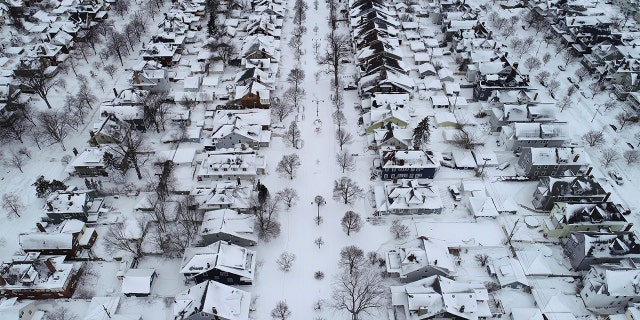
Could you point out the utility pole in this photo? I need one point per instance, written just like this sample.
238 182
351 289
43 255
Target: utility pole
317 101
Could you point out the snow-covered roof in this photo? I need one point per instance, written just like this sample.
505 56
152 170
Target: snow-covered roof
46 241
230 222
12 309
104 308
414 255
509 271
222 256
90 157
228 302
482 207
410 195
138 281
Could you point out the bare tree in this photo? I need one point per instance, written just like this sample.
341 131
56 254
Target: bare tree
292 135
596 88
552 87
288 195
542 77
120 7
60 312
38 80
338 118
281 311
319 201
318 242
289 165
16 159
285 261
532 63
266 214
295 95
351 258
346 190
343 137
623 118
399 230
338 47
12 204
351 222
565 102
358 292
546 58
295 77
280 108
581 73
345 160
482 259
15 126
128 148
637 137
119 238
110 69
569 56
466 138
609 156
156 110
631 156
593 138
55 125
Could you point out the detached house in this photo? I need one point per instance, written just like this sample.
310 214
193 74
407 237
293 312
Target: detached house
437 297
407 164
148 75
90 163
223 195
587 248
227 225
72 204
223 262
31 276
537 162
566 218
212 300
420 258
582 189
408 197
69 238
516 136
231 165
609 288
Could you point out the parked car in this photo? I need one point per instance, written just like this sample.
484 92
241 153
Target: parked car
350 86
455 193
503 166
616 177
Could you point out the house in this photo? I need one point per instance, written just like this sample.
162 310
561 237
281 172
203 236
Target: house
566 218
482 206
220 261
516 136
437 297
408 197
164 53
237 164
128 106
110 130
260 47
106 308
407 164
557 162
68 238
212 300
72 204
488 85
137 282
502 114
12 309
587 248
90 163
380 117
223 195
386 80
233 127
508 272
582 189
396 138
227 225
35 277
420 258
609 288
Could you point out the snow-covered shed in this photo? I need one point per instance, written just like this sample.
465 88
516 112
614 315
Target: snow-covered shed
137 282
445 119
463 159
509 273
482 206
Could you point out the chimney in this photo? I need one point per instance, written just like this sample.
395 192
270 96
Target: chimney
49 206
115 92
626 66
136 77
515 65
535 96
628 227
573 21
40 227
588 171
606 197
2 282
575 159
91 133
494 43
49 265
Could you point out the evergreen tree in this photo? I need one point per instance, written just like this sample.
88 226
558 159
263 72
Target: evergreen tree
421 133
